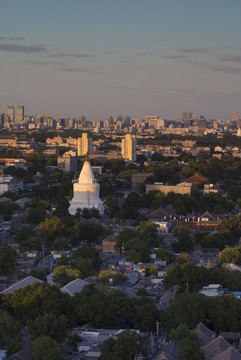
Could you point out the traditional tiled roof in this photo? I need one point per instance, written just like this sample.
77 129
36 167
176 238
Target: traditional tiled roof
209 215
159 214
196 179
229 354
215 347
205 335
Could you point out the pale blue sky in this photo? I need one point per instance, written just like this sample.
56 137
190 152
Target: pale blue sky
106 57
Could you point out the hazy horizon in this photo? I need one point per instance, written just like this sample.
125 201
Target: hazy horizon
101 58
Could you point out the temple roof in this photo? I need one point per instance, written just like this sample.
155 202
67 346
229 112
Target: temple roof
196 178
86 175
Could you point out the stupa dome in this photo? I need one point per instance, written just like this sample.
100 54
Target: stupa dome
86 191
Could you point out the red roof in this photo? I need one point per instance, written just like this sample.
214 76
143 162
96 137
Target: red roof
196 178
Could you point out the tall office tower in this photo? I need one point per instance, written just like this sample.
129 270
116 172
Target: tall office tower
186 115
20 114
11 113
97 123
85 145
1 121
148 118
235 116
70 123
128 148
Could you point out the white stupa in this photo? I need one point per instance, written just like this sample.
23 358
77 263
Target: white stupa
86 191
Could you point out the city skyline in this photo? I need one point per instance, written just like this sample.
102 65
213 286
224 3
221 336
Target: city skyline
137 58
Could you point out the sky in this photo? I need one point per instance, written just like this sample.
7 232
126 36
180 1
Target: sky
68 58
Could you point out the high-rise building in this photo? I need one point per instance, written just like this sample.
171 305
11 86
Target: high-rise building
85 145
186 115
11 113
128 148
20 114
235 116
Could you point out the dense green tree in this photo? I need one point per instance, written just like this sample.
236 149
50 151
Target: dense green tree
38 273
230 224
48 325
231 255
104 307
164 254
187 342
46 348
126 346
189 309
9 328
184 242
8 260
217 240
24 234
36 214
50 229
63 274
29 302
60 243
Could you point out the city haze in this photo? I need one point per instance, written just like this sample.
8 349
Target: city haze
101 58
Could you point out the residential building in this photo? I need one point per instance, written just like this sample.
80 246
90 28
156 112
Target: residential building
128 148
10 183
85 145
67 162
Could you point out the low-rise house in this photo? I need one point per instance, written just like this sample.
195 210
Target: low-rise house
24 202
108 244
21 284
10 183
74 287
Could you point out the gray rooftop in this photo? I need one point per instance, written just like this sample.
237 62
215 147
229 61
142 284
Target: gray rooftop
21 284
74 286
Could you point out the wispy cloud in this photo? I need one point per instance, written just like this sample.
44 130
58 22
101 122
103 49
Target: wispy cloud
217 67
16 38
175 57
233 58
42 63
72 69
68 53
23 48
2 38
195 50
226 69
148 54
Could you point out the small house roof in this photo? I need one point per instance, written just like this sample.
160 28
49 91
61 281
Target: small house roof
21 284
74 286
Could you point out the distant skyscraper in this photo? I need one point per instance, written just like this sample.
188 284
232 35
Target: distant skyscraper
128 149
20 114
186 115
235 116
11 113
85 145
